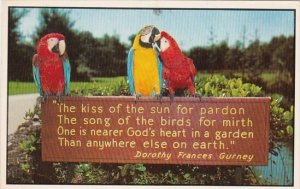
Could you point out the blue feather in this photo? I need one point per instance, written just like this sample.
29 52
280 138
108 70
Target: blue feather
36 77
67 74
130 71
160 69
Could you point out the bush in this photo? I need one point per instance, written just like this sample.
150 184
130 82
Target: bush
220 86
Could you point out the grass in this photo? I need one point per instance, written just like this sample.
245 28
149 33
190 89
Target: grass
15 87
112 82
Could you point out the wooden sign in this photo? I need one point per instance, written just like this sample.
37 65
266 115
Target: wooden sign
210 131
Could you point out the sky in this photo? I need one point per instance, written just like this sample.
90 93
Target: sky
190 27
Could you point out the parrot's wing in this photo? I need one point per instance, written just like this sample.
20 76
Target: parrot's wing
67 74
192 67
193 70
130 71
36 73
160 72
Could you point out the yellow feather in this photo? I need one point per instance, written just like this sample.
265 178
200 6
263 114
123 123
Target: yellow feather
145 70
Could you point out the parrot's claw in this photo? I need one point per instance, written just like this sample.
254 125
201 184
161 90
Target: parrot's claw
44 98
159 97
137 97
58 99
172 96
198 96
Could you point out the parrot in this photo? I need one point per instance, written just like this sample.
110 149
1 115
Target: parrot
51 67
144 67
178 70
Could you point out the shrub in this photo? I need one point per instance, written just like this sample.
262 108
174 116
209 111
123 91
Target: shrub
220 86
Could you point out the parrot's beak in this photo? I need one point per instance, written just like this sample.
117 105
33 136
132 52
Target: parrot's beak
155 35
55 48
156 45
62 47
155 39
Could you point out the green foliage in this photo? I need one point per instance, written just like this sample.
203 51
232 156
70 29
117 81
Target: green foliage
28 145
281 121
25 167
218 85
170 178
90 174
30 115
283 55
257 56
61 172
83 69
141 174
15 16
251 177
18 51
131 169
251 62
105 56
98 84
122 89
102 87
94 91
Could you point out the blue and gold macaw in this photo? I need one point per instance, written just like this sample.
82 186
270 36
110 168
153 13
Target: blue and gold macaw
144 67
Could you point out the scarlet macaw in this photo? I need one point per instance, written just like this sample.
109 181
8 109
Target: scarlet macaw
51 66
178 70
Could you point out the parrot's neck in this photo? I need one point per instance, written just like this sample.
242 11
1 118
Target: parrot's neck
145 45
44 52
138 44
172 57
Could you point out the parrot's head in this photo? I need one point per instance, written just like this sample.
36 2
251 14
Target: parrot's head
147 36
169 49
168 43
52 44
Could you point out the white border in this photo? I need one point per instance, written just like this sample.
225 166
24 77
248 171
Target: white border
156 4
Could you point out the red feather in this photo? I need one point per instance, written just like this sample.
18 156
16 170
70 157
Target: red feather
50 66
178 69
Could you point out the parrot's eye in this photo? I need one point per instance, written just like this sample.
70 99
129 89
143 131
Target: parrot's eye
164 44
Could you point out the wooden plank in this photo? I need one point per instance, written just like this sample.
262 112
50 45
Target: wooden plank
210 131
